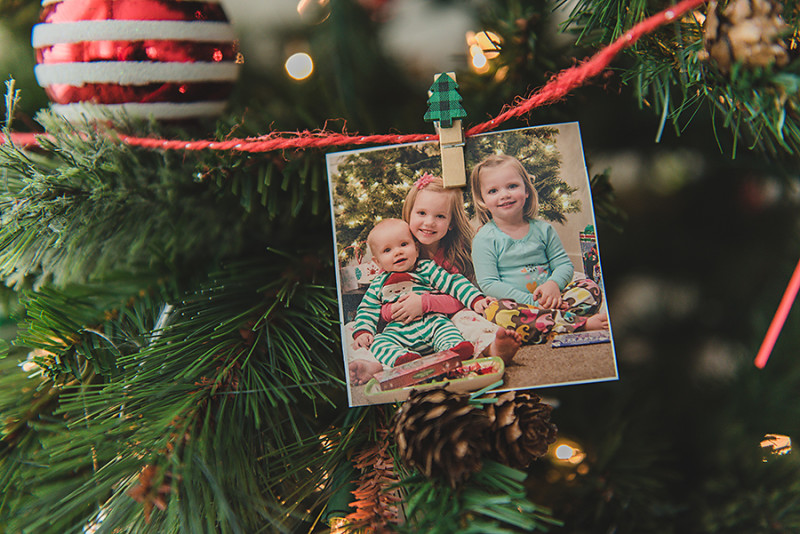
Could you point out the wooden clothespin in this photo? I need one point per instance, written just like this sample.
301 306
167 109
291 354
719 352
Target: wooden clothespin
444 108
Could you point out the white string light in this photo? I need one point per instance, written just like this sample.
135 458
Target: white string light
299 66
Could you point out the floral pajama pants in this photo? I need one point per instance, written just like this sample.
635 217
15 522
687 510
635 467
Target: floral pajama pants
580 299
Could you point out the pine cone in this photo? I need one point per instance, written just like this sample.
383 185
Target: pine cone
747 31
520 430
441 434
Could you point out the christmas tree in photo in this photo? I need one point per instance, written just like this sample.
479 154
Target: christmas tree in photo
172 349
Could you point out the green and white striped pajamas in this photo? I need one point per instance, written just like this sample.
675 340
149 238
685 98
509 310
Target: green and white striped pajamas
432 331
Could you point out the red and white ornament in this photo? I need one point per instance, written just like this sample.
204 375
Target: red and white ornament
167 59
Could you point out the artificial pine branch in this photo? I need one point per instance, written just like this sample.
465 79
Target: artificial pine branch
87 204
75 336
307 472
75 345
492 500
152 490
23 401
756 105
604 21
376 501
216 396
90 324
527 57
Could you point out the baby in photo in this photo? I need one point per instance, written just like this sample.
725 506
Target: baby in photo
395 251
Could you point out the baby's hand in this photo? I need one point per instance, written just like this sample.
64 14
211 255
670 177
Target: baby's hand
407 308
548 295
481 305
364 340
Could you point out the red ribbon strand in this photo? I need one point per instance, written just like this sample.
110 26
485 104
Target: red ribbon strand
780 317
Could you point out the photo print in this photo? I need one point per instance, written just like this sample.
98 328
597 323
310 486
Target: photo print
496 285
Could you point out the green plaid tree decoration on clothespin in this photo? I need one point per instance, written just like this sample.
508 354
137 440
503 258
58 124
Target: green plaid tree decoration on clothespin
444 103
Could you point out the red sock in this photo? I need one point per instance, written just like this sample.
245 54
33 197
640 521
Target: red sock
407 357
465 349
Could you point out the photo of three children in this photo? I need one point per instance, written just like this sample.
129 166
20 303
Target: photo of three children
423 269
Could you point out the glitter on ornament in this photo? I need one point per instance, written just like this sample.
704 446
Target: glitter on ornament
314 11
159 58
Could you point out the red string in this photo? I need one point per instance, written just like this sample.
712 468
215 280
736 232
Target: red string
556 89
279 141
780 317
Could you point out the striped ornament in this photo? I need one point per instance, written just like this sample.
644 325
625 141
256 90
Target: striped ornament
167 59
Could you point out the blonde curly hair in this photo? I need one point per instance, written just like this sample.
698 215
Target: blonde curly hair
457 243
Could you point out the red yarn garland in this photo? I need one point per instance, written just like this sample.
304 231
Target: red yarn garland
556 89
279 141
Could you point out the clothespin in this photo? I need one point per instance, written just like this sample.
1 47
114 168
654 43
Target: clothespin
445 110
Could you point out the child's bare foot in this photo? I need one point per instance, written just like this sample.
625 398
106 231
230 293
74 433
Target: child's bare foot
505 345
362 370
597 322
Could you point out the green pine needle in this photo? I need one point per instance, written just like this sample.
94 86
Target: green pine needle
491 500
755 105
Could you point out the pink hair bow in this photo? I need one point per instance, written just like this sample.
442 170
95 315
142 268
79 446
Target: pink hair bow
424 180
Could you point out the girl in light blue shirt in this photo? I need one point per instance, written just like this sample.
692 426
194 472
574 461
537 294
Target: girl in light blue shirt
520 260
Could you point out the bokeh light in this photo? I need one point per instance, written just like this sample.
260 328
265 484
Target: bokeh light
480 63
564 452
299 66
489 42
483 46
567 452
